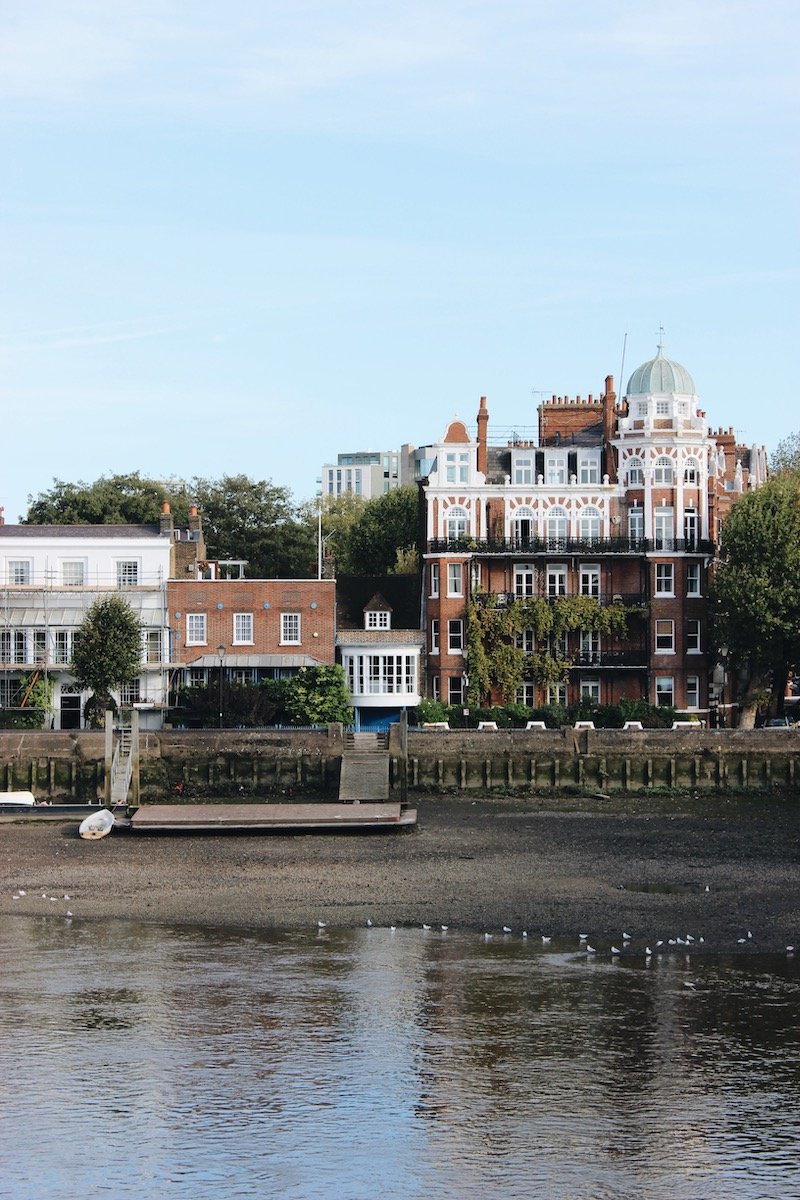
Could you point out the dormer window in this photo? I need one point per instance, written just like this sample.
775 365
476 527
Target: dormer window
377 619
457 468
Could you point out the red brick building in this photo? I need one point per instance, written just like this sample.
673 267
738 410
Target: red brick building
619 501
255 628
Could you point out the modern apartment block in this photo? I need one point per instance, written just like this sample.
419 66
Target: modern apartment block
620 501
370 473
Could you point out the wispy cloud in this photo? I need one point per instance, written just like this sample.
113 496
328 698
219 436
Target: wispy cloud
72 337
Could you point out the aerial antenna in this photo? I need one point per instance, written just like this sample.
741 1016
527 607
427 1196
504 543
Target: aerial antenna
622 364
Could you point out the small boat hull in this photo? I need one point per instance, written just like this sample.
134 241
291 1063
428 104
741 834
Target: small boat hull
98 825
16 801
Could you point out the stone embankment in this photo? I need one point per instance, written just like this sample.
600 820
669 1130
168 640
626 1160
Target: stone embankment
227 763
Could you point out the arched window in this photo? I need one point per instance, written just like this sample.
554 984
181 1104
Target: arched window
456 522
589 524
664 470
523 526
691 471
635 472
557 526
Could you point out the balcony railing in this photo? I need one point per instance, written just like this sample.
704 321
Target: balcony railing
503 599
631 657
527 547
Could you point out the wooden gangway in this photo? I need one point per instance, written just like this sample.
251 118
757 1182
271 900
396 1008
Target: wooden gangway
365 768
188 818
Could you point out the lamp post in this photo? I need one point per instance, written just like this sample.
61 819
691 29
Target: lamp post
319 528
221 657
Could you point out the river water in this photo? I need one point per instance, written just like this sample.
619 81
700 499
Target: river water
144 1061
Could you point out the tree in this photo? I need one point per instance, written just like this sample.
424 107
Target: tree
317 696
107 651
787 455
756 592
388 528
110 500
255 520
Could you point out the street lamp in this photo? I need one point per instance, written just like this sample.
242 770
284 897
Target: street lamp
221 657
319 528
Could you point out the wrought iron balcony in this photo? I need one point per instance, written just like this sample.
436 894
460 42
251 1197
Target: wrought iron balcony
503 599
590 547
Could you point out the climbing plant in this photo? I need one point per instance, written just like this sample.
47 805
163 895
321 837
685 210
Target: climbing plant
495 660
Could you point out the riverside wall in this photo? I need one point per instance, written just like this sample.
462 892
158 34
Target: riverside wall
187 765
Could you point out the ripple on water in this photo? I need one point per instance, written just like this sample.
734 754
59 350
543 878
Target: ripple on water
226 1064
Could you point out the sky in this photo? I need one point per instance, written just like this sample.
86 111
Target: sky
243 238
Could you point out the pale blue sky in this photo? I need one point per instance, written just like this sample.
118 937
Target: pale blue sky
246 236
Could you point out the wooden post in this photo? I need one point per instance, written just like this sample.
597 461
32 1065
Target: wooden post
135 756
404 756
109 748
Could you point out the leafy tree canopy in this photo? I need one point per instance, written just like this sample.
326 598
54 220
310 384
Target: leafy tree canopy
387 530
110 500
107 648
756 597
242 518
787 454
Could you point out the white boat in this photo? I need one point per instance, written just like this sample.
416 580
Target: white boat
97 824
16 801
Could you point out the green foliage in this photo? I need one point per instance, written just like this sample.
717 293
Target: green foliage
107 648
496 663
110 500
756 593
383 534
255 520
516 716
787 455
319 695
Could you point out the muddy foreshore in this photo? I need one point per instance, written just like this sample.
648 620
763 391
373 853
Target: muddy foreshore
654 872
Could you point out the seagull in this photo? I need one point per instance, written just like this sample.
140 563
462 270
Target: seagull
583 937
445 928
369 923
392 928
702 941
506 929
741 941
590 949
790 949
322 924
67 913
749 934
690 986
615 950
708 889
659 944
66 897
487 937
647 952
426 926
546 940
626 937
22 892
689 939
524 933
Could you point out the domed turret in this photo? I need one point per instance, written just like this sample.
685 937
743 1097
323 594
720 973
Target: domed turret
660 376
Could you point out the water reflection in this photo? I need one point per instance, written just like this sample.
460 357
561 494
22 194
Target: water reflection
410 1064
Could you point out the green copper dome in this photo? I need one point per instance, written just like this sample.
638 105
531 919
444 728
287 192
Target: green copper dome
660 375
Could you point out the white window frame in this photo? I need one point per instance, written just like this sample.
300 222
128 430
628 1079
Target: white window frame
556 580
665 579
664 635
557 694
68 568
590 524
128 572
664 471
589 579
635 472
665 687
590 645
196 629
456 523
377 618
662 408
455 689
523 470
526 694
555 468
556 525
694 636
455 636
455 579
589 467
243 627
130 693
19 572
434 635
636 525
291 628
693 577
526 640
692 691
664 525
590 689
434 580
691 471
524 580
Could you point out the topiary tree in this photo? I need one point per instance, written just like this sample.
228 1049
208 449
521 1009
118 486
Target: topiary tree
106 653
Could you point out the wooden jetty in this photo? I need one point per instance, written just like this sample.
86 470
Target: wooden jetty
189 818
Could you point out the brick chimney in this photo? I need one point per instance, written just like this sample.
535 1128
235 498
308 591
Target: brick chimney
165 522
483 427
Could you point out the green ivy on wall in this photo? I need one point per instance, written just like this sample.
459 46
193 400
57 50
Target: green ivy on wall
494 661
